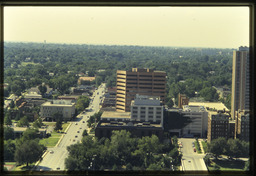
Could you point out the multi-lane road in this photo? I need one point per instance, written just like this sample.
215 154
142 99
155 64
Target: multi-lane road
54 158
191 161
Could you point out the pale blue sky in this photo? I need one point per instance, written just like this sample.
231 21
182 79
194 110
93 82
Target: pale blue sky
218 27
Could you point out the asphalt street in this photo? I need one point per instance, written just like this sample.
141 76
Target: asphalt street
191 161
54 158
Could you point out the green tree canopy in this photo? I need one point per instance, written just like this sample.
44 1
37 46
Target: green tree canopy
216 146
42 89
23 122
9 150
28 152
7 120
30 134
8 133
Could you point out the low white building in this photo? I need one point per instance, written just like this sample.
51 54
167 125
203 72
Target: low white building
147 109
199 125
64 107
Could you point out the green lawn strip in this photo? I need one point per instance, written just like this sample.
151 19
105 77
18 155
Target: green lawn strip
52 140
9 163
204 144
197 146
227 165
24 167
49 142
64 126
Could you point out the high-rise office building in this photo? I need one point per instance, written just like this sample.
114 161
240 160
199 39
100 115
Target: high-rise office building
240 80
138 81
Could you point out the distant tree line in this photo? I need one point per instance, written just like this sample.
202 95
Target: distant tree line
189 70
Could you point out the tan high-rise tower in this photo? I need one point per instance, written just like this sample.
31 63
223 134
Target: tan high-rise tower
240 81
138 81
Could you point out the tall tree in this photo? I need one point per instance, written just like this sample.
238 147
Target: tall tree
215 146
8 133
9 150
42 89
23 122
7 120
28 152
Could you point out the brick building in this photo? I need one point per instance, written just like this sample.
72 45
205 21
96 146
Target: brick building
218 126
138 81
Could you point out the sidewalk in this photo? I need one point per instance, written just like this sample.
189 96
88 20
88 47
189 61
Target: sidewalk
201 146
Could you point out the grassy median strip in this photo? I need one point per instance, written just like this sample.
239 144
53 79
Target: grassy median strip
197 146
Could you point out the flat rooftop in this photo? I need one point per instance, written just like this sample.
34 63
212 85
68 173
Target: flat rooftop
130 124
211 105
58 103
114 114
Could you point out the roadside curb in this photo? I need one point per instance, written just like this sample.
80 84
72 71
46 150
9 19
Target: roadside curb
63 135
37 163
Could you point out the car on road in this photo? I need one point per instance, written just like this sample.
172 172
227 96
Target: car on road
51 152
58 168
83 121
76 123
76 136
78 131
189 161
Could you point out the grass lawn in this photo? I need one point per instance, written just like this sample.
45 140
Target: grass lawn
227 165
54 138
9 163
204 144
24 167
64 126
50 142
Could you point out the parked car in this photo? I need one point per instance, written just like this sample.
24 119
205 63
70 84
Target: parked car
194 149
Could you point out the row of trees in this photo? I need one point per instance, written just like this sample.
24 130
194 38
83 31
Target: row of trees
122 152
82 103
233 148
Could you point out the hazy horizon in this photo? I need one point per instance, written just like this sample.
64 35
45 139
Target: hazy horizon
197 27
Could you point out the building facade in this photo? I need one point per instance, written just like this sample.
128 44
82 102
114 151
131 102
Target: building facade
242 125
199 117
218 126
240 80
182 100
147 109
137 129
138 81
64 107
